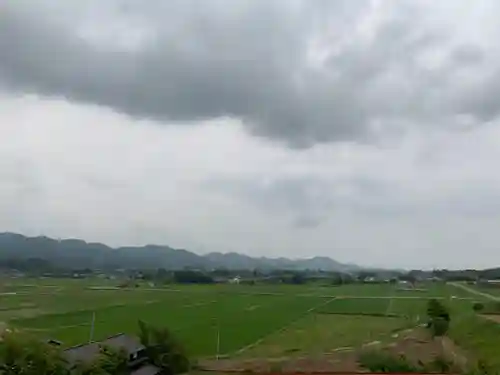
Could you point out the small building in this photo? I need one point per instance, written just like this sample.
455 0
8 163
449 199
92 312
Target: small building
137 360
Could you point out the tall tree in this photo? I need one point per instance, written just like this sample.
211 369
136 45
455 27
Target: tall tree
163 350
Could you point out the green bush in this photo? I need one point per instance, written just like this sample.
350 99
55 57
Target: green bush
440 365
163 349
436 309
482 368
439 318
383 362
478 306
439 327
380 362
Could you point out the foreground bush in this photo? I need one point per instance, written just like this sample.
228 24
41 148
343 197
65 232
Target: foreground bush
383 362
163 350
478 306
22 354
439 318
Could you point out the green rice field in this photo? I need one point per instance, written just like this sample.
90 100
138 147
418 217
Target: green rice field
224 319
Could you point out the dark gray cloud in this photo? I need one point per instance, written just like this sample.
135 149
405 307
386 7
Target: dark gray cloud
245 60
309 201
305 200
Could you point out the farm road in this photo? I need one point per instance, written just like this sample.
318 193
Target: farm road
245 292
476 292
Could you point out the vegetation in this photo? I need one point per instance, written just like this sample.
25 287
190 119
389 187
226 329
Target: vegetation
439 318
109 362
318 333
490 307
196 314
46 255
192 277
357 306
379 361
21 354
206 317
479 337
478 306
163 349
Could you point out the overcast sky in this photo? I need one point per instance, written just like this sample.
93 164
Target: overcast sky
367 131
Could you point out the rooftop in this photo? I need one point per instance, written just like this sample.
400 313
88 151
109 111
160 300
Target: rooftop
87 352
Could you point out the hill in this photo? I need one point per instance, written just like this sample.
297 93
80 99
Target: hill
74 253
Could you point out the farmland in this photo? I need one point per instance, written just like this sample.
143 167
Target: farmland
236 320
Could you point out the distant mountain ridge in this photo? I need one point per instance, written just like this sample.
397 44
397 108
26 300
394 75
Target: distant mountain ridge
75 253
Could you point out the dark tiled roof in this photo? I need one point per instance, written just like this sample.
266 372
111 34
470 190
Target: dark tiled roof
87 352
146 370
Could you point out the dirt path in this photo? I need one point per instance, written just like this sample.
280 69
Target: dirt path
493 318
246 292
476 292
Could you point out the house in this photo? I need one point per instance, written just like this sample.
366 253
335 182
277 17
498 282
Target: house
137 361
235 280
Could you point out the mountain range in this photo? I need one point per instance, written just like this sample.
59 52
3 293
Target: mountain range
75 253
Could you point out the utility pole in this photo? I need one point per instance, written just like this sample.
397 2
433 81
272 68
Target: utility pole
218 339
91 336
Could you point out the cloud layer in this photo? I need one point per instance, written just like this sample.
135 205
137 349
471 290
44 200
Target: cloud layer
361 130
300 71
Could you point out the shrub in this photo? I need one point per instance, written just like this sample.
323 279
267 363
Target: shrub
380 362
440 365
478 306
276 368
21 354
439 327
436 309
482 368
439 318
163 350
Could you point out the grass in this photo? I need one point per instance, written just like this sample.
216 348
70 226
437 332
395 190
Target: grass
194 317
319 333
494 290
408 308
357 306
63 309
478 336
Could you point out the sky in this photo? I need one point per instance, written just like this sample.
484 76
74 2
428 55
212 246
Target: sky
366 131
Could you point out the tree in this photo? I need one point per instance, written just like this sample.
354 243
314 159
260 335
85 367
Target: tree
439 318
192 277
298 278
163 350
337 279
112 361
21 354
436 309
478 306
439 327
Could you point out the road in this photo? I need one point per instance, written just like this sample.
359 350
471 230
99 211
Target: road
476 292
